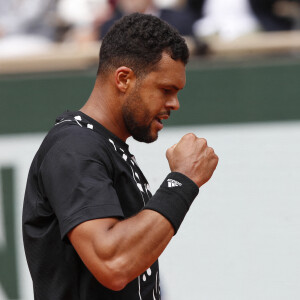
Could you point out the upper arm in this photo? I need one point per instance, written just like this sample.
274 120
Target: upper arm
84 236
92 243
117 251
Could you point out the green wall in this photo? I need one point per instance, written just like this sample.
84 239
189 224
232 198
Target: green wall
216 92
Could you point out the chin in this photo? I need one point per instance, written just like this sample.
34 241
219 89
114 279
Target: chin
146 138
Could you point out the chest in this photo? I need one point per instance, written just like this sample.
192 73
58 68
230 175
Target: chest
129 182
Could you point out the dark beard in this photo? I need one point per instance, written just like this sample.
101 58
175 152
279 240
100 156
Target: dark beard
138 132
132 107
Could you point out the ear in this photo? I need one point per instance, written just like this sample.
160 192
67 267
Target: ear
124 78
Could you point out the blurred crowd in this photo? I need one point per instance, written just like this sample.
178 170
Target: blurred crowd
32 25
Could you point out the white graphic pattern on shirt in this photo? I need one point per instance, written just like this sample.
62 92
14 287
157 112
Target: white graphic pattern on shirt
144 189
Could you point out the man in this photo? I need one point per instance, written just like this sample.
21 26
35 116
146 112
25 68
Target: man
181 18
92 229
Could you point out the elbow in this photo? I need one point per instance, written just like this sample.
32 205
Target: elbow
116 283
116 277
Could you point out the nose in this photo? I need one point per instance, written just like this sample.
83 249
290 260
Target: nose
173 103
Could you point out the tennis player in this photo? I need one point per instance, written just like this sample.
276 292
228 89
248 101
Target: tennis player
91 227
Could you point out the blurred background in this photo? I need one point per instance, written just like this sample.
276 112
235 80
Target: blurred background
241 238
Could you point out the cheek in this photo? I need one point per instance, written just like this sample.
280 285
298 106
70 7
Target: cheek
147 108
142 113
154 104
149 104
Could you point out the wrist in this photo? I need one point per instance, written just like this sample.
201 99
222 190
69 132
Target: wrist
174 198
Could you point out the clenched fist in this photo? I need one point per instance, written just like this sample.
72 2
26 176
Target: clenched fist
192 157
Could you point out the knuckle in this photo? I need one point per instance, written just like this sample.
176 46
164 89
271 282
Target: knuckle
203 141
215 160
210 151
190 136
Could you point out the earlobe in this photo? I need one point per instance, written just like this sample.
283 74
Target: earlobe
123 78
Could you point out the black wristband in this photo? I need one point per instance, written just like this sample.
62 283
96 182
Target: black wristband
174 198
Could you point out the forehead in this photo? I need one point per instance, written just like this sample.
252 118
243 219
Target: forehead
169 72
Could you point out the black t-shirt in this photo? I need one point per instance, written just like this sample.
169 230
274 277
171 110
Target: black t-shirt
81 172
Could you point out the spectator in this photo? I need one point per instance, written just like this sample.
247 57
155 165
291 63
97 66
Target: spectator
197 7
228 19
83 18
269 18
26 26
182 18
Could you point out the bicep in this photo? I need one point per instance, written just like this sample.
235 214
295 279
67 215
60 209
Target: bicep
91 242
85 237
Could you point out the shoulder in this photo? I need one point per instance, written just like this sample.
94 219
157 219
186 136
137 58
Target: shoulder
71 138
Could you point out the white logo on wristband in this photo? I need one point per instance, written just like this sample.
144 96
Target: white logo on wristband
173 183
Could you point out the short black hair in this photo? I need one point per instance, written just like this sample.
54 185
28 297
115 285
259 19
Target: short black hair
138 41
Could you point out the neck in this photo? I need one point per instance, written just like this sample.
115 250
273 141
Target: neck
105 109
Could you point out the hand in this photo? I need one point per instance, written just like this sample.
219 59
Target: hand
192 157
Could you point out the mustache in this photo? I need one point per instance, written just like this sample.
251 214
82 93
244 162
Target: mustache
164 113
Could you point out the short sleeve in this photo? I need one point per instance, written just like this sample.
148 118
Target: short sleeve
78 186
